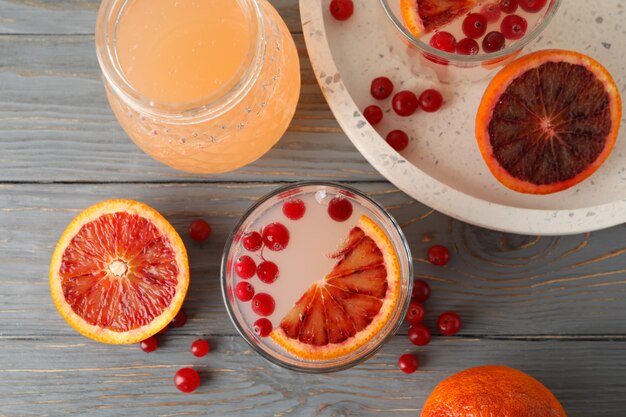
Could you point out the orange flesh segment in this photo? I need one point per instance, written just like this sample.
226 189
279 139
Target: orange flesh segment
424 16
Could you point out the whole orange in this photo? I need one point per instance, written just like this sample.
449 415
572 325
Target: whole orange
492 391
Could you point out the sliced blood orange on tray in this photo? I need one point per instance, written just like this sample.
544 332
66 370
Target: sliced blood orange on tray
548 120
119 273
423 16
350 305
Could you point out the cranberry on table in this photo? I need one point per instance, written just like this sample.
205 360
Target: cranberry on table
179 319
244 291
263 304
262 327
199 230
420 291
149 345
252 241
491 11
340 209
373 114
267 271
405 103
408 363
474 25
513 27
398 140
341 9
275 236
245 267
438 255
381 88
200 347
449 323
493 41
532 6
187 380
444 41
430 100
294 209
419 334
416 312
467 46
508 6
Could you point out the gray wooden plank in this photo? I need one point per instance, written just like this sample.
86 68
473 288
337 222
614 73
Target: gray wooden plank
502 285
56 125
76 377
79 16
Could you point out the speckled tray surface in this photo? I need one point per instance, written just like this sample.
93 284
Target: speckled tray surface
442 166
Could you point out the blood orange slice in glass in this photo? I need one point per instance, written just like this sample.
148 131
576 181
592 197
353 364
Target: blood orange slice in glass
119 273
548 120
350 305
423 16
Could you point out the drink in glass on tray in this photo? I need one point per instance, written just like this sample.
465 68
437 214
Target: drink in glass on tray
463 40
316 277
201 85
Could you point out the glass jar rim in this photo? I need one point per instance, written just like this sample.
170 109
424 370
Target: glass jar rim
454 57
399 311
204 108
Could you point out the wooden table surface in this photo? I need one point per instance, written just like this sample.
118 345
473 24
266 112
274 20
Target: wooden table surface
551 306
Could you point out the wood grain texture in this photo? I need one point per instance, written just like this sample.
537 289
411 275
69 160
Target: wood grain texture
502 285
76 377
72 17
56 124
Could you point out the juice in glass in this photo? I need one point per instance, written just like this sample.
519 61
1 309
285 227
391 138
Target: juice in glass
203 86
328 300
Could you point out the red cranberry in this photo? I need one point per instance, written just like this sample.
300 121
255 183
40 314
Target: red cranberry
467 46
408 363
244 291
415 313
199 230
491 11
179 319
164 330
263 304
398 140
149 345
419 334
267 272
405 103
245 267
444 41
493 41
373 114
275 236
294 209
262 327
187 379
340 209
200 348
341 9
421 291
508 6
438 255
381 88
252 241
449 323
474 25
513 27
430 100
532 6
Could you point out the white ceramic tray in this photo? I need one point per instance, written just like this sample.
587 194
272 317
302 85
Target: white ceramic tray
442 167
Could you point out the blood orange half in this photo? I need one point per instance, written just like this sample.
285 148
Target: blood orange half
119 273
423 16
348 307
548 120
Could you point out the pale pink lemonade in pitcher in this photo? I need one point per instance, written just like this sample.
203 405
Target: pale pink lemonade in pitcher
201 85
